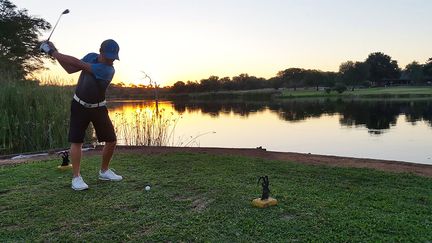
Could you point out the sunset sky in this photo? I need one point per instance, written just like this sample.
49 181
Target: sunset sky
185 40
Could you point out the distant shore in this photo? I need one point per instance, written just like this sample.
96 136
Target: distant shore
394 92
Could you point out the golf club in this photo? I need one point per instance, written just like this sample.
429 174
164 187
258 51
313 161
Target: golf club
64 12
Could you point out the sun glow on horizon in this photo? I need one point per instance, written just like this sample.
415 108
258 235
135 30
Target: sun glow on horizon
190 40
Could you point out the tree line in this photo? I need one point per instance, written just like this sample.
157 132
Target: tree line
378 69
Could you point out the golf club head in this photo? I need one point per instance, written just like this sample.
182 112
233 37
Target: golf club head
64 12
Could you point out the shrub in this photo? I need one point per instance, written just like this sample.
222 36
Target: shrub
340 88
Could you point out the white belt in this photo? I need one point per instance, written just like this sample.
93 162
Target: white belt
89 105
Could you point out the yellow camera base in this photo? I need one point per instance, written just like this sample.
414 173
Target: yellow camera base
64 167
257 202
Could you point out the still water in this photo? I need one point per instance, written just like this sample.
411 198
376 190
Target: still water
380 129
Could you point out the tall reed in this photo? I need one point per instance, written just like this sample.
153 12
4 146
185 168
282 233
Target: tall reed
148 127
33 117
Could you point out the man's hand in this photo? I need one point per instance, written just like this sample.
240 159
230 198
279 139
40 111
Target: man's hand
46 48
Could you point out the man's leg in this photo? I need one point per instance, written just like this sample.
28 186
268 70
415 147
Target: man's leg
75 152
77 181
105 132
107 154
79 120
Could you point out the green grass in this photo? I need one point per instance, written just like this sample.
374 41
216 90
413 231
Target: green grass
390 92
198 197
234 94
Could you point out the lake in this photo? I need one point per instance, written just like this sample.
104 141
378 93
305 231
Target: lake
379 129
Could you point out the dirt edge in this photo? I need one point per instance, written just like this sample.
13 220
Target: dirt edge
312 159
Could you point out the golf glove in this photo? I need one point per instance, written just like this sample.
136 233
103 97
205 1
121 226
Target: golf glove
46 48
52 46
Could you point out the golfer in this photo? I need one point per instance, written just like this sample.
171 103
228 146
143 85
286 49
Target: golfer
89 105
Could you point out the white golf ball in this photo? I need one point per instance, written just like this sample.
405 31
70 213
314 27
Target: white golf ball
147 188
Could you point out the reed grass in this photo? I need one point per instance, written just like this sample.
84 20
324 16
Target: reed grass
148 127
33 117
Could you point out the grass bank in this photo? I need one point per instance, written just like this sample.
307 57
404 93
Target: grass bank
257 94
381 92
198 197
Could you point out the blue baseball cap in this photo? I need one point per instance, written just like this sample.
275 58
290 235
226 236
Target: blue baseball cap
110 49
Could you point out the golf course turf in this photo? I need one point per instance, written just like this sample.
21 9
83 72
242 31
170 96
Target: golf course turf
204 197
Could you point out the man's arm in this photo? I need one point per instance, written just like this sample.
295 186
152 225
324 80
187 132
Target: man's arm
68 68
70 63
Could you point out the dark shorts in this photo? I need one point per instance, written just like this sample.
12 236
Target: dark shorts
80 119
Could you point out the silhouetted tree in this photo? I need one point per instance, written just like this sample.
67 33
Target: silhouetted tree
253 82
179 87
192 86
329 78
427 68
381 67
414 71
313 78
362 72
346 71
244 81
291 77
19 52
353 74
275 82
226 83
210 84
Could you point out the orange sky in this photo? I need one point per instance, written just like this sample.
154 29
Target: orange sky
190 40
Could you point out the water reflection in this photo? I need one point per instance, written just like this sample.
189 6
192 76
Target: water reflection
379 129
376 115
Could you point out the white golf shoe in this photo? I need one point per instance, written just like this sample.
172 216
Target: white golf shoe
78 184
109 175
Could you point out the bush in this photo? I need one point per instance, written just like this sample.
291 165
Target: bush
340 88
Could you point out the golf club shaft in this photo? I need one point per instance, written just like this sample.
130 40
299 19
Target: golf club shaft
54 27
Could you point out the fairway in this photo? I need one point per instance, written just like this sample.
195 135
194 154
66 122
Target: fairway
378 92
201 197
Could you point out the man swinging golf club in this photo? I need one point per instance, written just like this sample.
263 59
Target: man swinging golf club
89 105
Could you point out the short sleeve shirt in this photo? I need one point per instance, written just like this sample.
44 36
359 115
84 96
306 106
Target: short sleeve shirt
91 87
